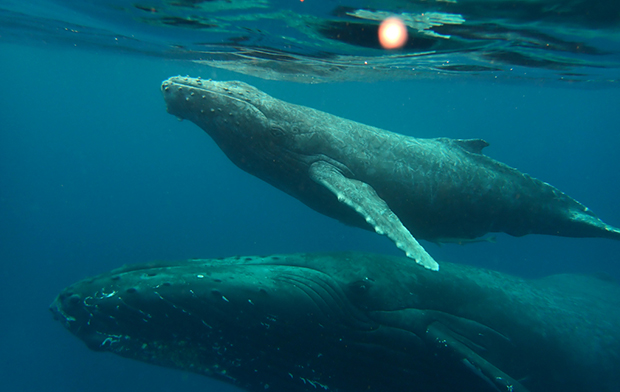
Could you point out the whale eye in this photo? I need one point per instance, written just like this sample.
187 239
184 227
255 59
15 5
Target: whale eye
360 287
277 131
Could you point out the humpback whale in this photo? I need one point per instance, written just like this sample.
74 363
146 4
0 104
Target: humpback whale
350 322
400 186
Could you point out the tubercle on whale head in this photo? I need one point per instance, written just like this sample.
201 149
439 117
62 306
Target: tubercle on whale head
210 92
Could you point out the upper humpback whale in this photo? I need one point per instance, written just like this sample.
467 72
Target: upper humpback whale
400 186
352 322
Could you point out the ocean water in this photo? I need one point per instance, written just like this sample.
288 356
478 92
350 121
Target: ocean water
95 174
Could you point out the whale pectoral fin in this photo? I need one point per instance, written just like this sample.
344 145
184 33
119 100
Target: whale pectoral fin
451 339
448 342
363 199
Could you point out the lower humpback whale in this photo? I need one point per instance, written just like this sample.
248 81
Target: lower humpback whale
400 186
350 322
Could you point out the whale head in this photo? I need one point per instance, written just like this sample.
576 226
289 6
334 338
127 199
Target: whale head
251 127
236 319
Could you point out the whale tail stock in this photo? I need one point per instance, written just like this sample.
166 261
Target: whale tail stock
587 224
613 233
608 231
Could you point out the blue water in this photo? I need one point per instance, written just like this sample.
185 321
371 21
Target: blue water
95 174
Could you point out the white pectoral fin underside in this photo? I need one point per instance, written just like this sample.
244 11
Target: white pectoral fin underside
363 199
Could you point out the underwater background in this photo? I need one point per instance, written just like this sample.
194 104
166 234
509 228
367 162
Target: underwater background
94 174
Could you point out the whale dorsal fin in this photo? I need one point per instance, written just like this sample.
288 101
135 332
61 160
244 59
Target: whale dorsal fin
472 145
